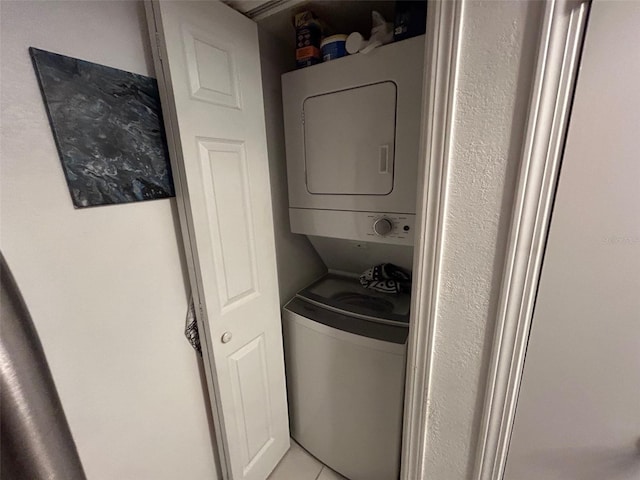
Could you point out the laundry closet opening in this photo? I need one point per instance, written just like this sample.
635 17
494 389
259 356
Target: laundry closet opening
351 133
342 137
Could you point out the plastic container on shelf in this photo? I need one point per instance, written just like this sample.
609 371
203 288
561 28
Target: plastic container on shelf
333 47
308 37
410 19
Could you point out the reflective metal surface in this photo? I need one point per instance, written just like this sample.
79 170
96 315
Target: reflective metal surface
35 439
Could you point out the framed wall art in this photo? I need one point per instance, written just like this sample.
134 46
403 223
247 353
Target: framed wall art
107 126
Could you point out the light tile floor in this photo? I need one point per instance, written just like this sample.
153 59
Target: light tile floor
298 464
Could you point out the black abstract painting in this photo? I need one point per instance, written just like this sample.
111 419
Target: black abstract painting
107 126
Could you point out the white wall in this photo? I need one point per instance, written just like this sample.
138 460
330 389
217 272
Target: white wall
497 58
105 285
577 414
298 262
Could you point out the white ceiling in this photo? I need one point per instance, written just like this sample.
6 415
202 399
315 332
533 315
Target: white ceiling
245 6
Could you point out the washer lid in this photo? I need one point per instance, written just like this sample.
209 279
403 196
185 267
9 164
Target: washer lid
347 295
347 323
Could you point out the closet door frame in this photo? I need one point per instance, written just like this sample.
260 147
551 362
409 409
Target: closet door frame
558 57
442 49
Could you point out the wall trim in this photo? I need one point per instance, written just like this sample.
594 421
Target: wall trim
562 34
444 28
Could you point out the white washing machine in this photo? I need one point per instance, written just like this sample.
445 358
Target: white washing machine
345 353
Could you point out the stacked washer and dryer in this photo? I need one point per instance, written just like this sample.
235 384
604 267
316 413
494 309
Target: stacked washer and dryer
352 130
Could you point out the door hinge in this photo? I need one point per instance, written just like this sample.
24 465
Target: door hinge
302 117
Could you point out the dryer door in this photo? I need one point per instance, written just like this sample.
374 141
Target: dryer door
349 140
352 130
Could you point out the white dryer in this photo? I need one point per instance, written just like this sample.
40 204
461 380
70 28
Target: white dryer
345 353
352 128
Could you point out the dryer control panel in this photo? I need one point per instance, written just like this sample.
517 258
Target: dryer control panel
375 227
392 226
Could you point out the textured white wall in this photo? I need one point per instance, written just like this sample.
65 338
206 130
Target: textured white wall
497 59
105 285
298 262
577 414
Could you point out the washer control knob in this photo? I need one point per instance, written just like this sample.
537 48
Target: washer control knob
382 226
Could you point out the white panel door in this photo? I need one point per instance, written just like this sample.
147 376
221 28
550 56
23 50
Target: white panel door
209 73
578 413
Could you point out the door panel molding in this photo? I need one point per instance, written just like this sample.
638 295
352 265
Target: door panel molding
225 174
253 399
211 67
558 59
